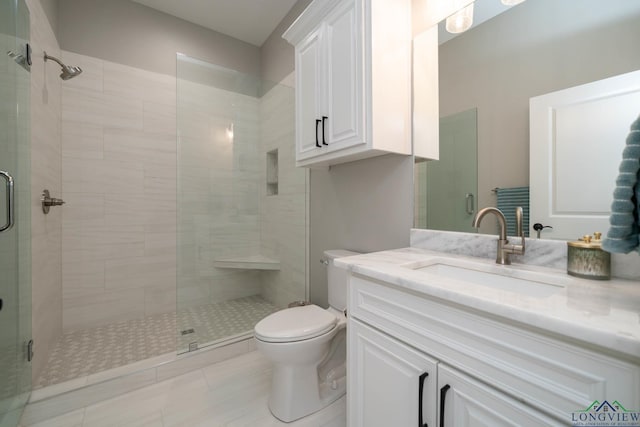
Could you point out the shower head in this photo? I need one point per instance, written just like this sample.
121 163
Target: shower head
68 72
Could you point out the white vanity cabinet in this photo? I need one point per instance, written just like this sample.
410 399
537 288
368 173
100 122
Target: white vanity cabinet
391 384
353 80
465 402
483 370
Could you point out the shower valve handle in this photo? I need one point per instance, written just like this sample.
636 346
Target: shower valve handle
48 201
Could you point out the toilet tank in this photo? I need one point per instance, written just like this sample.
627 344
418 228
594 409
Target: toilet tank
337 278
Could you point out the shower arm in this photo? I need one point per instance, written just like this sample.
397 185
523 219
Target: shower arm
53 58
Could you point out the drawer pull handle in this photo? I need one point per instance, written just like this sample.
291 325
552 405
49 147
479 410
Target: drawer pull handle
317 124
421 380
443 395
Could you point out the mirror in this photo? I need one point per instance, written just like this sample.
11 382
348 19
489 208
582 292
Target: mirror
534 48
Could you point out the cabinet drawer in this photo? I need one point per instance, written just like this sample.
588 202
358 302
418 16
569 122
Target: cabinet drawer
543 371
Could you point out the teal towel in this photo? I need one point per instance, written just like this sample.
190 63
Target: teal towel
508 200
623 236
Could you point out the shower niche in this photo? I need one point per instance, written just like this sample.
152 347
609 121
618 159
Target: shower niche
272 173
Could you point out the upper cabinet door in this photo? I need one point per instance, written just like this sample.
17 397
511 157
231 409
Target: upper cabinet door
577 138
309 58
344 122
357 99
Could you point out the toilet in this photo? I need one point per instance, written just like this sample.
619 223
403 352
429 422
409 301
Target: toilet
307 346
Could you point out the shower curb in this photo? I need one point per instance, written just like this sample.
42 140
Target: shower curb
59 399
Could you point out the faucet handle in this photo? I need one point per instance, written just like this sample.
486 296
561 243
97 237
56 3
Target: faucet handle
519 231
518 249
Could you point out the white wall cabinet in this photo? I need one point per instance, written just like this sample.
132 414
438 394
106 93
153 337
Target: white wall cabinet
353 80
488 372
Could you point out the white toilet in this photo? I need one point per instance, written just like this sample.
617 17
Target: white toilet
307 346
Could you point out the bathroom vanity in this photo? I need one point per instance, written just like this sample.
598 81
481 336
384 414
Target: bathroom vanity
448 339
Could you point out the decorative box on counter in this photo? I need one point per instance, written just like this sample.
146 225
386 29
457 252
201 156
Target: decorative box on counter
586 259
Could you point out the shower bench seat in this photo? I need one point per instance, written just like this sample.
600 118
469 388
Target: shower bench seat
251 262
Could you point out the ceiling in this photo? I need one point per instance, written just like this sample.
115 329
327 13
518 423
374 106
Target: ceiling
251 21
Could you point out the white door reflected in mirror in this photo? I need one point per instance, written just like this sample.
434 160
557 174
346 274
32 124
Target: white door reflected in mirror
577 137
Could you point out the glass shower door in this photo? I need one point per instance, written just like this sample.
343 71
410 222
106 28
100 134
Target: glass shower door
15 216
451 203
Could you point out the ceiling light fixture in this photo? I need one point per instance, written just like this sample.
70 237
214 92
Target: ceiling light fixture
460 21
511 2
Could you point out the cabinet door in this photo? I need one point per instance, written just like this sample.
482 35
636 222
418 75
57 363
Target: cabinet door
386 381
308 95
344 106
466 402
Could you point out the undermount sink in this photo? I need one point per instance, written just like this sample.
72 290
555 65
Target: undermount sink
498 277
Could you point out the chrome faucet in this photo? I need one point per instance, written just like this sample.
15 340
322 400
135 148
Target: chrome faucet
504 248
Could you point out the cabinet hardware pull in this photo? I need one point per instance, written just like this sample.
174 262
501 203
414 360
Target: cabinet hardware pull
443 395
421 380
324 118
317 143
10 201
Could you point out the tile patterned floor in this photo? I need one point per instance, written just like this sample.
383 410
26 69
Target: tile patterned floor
214 322
85 352
9 369
232 393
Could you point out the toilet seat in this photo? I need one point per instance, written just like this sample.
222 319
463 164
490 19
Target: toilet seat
295 324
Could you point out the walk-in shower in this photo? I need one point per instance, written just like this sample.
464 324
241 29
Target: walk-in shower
207 234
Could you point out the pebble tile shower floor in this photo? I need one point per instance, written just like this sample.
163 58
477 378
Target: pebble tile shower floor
88 351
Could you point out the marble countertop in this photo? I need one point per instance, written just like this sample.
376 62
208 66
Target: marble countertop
601 313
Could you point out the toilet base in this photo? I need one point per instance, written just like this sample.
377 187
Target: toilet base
289 403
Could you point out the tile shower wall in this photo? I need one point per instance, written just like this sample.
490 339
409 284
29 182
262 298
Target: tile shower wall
119 182
46 231
282 216
219 200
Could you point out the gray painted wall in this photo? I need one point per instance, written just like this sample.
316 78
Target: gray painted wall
131 34
364 206
276 54
50 8
502 63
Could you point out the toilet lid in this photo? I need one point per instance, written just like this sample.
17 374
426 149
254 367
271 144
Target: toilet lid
295 324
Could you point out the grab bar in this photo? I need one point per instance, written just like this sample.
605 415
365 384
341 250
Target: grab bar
10 200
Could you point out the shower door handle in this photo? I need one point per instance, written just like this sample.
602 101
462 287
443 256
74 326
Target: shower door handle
10 199
470 203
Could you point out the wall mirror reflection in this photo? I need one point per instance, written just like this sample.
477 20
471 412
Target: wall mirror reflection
487 77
